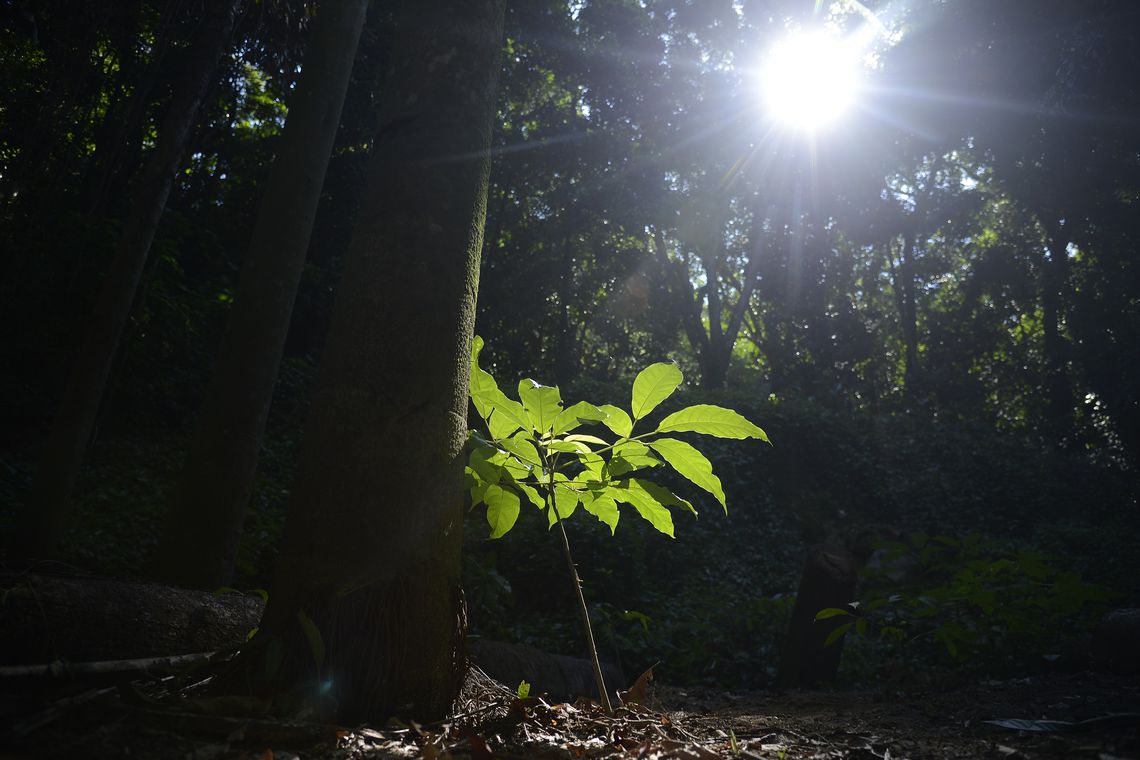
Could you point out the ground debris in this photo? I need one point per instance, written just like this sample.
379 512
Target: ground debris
171 717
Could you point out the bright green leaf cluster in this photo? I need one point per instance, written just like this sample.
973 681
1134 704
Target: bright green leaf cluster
532 453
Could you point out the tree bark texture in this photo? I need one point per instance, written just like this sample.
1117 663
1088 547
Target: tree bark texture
369 564
45 518
200 540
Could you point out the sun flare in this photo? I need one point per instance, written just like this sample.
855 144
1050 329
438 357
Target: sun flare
810 79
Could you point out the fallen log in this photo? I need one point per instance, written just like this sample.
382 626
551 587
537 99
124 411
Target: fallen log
54 627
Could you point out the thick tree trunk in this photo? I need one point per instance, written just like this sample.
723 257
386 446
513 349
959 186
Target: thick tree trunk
199 544
366 602
44 519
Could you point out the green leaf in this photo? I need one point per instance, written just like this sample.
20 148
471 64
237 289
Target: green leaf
836 634
502 510
592 463
565 502
710 420
532 495
603 507
653 385
486 463
507 416
523 691
568 447
313 635
502 415
542 403
514 469
629 456
654 512
586 439
521 447
691 464
574 415
831 612
478 491
663 495
617 420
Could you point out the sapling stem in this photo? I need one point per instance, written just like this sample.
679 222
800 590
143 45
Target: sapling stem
585 613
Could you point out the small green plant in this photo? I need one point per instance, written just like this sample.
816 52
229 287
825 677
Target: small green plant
531 452
973 597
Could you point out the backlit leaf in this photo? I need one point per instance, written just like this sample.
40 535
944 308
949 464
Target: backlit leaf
587 439
617 420
629 456
654 512
521 447
575 414
691 464
603 507
710 420
532 495
502 510
653 385
542 403
568 447
565 501
502 415
663 495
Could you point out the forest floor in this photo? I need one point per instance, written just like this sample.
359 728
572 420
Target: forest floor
163 719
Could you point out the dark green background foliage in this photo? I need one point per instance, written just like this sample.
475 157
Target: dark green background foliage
936 306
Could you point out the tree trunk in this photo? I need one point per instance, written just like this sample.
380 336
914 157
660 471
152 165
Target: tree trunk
124 123
200 542
828 580
1057 386
44 519
366 603
908 313
722 341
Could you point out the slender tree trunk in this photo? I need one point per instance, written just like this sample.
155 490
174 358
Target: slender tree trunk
200 542
680 290
369 563
1058 388
124 123
722 340
903 276
44 519
567 358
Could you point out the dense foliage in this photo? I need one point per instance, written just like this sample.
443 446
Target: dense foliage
933 307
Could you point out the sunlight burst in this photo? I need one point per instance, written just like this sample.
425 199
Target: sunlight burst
810 78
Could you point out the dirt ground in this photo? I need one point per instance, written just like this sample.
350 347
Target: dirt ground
162 718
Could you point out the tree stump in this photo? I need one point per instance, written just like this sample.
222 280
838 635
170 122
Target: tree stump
828 581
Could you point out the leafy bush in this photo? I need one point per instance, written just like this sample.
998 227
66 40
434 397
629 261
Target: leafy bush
982 604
